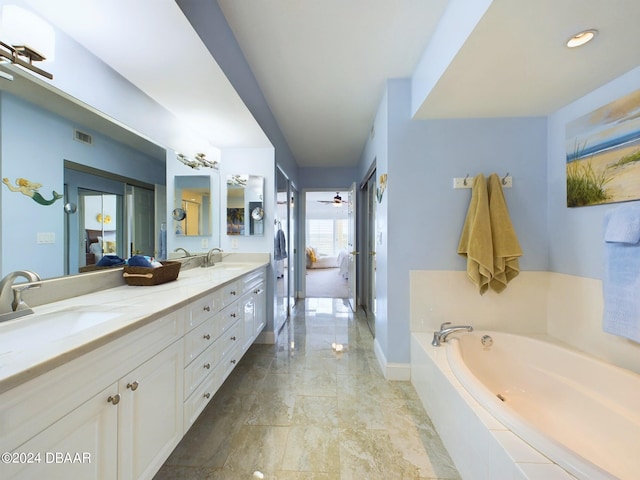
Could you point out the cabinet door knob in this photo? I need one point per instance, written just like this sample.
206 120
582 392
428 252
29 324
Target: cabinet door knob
233 315
207 395
206 336
232 292
207 308
133 386
114 399
233 338
233 361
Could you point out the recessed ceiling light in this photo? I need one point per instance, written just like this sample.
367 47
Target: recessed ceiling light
581 38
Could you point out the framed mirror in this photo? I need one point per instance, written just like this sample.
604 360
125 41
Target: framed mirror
245 204
192 207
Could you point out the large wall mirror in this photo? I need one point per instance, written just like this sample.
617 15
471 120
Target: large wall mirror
110 177
192 208
245 204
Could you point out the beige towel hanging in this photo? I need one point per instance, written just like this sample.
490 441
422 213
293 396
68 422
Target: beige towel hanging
475 241
506 248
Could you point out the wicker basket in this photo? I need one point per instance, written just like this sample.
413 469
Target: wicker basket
144 276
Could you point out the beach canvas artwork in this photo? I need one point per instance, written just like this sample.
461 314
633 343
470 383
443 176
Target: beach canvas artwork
603 154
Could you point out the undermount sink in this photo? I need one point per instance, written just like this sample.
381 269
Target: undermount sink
33 330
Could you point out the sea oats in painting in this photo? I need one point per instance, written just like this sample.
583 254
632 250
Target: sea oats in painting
603 154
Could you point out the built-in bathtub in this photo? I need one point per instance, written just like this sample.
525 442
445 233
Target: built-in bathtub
576 412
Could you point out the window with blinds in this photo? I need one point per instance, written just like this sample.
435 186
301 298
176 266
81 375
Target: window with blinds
329 236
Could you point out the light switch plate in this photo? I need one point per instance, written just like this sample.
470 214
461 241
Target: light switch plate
46 237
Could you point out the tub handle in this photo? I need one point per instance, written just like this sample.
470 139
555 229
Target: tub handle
442 325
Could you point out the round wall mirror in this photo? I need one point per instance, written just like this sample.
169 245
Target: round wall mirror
178 214
257 213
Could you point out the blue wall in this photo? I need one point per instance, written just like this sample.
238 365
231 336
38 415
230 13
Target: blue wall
327 177
425 214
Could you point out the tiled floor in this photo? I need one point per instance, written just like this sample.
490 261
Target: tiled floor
301 410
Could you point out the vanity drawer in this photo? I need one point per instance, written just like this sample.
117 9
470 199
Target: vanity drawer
203 308
230 293
227 317
194 405
198 339
230 362
200 368
252 280
231 338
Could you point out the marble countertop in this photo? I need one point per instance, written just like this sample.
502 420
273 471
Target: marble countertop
58 332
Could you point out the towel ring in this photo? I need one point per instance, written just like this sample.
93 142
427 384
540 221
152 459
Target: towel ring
504 179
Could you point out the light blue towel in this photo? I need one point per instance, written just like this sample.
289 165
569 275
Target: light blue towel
621 282
623 224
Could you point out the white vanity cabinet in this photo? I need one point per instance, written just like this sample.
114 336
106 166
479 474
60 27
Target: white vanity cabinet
253 307
118 410
216 342
97 416
209 347
150 414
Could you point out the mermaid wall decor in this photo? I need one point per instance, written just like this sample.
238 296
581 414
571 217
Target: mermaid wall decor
30 189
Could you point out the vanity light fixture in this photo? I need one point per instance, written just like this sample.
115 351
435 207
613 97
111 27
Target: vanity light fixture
21 30
581 38
201 158
15 52
199 161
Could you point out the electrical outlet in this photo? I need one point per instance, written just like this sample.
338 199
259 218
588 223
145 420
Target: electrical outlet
234 243
205 243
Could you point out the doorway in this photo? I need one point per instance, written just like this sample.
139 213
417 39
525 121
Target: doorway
368 189
327 243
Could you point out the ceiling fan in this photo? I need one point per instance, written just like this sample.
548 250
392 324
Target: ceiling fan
337 200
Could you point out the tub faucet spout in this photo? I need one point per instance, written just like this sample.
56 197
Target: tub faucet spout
445 331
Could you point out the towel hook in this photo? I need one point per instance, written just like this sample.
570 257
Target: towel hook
504 179
465 180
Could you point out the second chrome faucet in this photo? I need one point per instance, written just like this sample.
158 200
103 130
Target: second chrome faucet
441 336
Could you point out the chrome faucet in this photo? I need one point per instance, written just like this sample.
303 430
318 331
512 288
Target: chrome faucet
186 253
214 255
11 303
441 336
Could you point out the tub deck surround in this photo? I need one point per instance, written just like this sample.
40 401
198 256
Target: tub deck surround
64 330
576 410
481 447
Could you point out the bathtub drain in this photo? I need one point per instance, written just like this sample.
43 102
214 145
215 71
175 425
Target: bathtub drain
499 395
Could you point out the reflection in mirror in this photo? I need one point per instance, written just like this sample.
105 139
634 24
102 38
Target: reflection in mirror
245 205
114 218
192 213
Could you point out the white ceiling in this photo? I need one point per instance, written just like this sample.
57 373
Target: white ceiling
322 64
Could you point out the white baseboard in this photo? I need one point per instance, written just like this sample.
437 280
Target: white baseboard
391 371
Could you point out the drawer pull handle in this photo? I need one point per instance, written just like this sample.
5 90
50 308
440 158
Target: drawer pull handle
207 308
133 386
114 399
233 361
206 336
207 395
207 366
233 338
